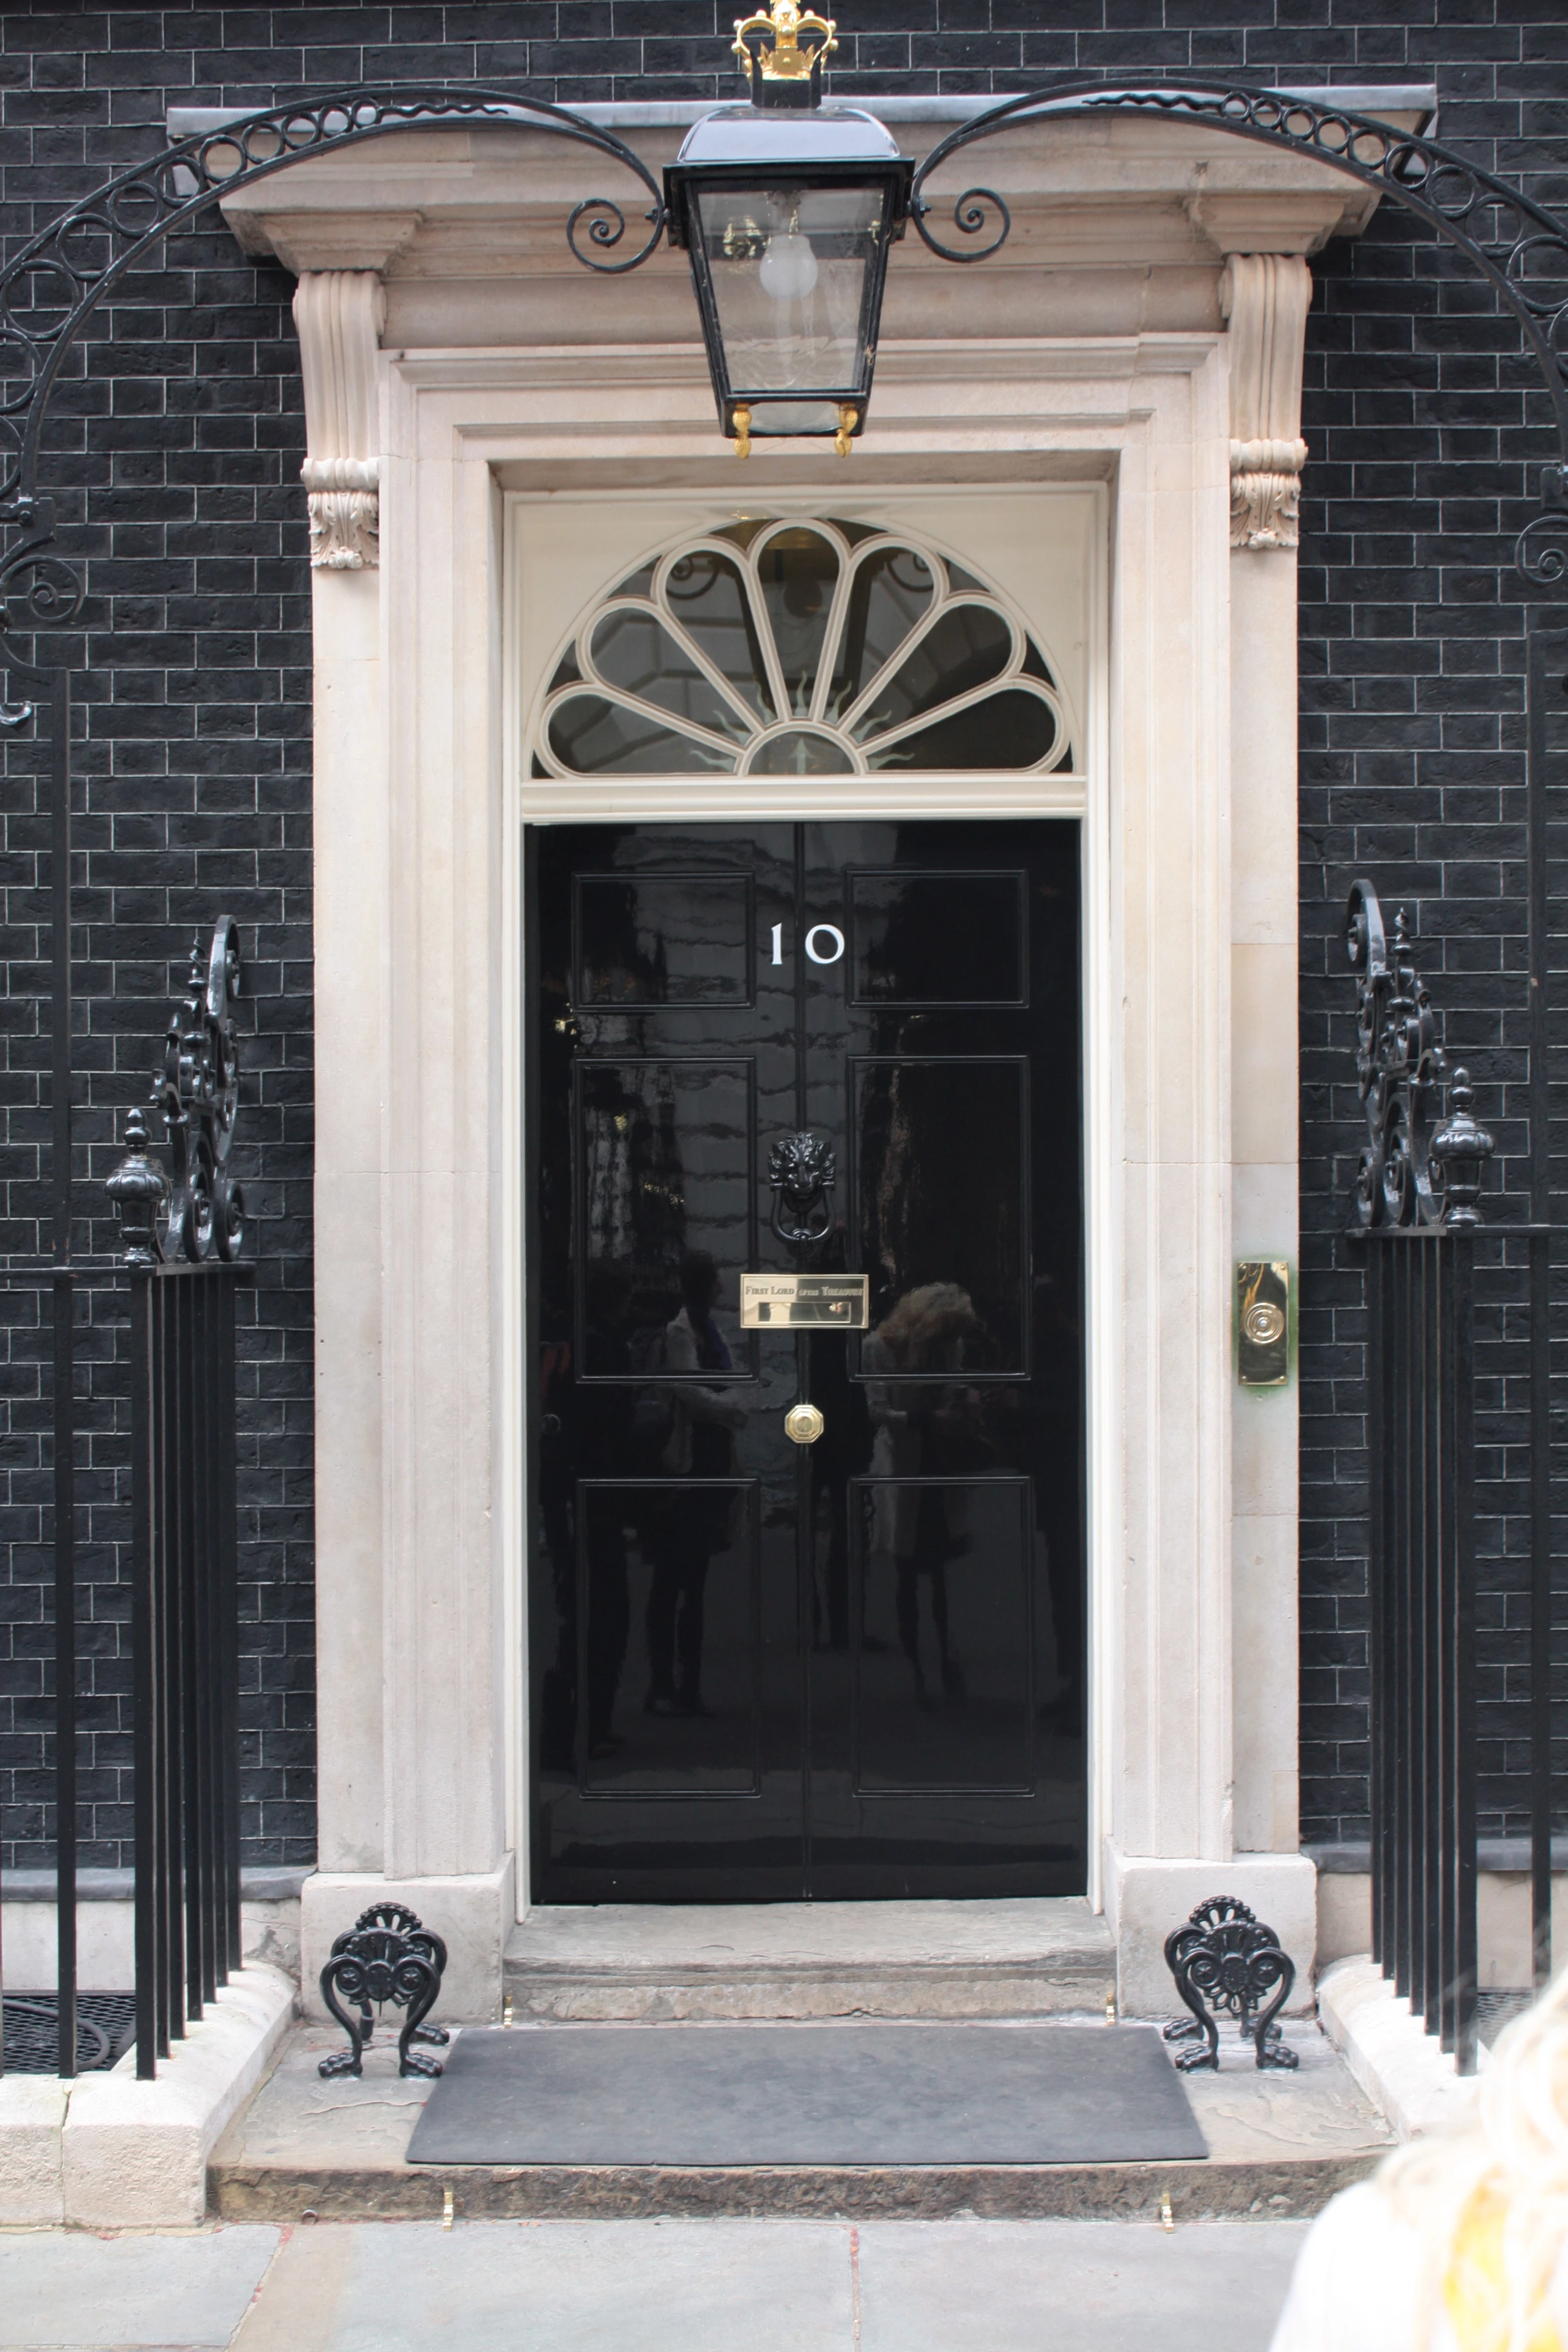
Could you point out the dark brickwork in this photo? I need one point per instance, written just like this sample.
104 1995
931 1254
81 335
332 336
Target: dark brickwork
176 462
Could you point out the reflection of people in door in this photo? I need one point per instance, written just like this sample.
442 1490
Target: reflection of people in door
925 1428
682 1536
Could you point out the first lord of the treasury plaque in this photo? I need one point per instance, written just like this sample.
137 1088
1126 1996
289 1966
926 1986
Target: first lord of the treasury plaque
825 1301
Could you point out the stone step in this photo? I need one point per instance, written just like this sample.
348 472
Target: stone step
1279 2146
1013 1958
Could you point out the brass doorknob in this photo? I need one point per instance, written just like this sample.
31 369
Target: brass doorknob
803 1424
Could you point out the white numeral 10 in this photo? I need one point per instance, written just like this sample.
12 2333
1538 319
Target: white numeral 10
828 932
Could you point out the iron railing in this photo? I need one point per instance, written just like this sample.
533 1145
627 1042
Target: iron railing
1433 1483
180 1230
185 1640
1421 1349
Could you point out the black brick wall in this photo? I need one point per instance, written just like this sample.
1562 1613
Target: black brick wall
176 459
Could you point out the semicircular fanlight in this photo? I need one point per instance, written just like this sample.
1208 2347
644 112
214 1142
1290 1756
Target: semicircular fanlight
792 648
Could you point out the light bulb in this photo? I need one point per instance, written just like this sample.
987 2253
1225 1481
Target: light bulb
788 269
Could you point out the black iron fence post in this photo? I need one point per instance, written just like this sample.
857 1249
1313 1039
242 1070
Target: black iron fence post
1415 1193
184 1543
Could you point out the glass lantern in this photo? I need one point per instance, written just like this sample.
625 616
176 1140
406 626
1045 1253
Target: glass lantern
787 216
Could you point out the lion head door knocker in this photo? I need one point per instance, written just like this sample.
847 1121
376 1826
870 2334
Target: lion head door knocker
801 1170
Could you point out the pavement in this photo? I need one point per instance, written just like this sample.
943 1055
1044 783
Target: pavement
651 2287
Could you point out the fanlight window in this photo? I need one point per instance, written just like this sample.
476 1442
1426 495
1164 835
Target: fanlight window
801 649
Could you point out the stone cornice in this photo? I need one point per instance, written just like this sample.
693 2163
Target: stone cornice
1119 224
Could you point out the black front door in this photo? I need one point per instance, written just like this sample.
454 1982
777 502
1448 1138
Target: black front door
762 1669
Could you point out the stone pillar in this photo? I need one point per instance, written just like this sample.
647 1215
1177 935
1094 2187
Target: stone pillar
1265 298
381 1751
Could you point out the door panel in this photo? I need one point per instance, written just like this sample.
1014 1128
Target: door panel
852 1668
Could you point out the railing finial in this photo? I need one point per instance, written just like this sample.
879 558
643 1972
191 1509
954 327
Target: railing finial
1407 1176
198 1095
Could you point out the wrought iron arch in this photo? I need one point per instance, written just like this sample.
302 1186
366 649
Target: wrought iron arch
1445 190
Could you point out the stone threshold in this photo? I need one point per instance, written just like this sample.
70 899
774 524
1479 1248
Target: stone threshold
1021 1957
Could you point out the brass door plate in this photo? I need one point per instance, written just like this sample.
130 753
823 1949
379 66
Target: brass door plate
1262 1322
771 1302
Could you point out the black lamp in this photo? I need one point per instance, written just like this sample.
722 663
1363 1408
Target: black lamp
788 212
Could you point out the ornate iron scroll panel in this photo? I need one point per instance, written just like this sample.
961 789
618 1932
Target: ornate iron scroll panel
388 1955
197 1096
1226 1963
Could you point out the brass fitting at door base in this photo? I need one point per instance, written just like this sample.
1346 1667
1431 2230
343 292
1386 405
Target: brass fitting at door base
740 418
848 418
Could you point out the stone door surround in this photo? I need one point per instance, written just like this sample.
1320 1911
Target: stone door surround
1143 331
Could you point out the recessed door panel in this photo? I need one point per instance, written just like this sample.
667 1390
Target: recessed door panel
941 1195
944 1576
850 1666
919 942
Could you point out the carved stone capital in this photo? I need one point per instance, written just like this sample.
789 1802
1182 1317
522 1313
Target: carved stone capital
1265 296
339 314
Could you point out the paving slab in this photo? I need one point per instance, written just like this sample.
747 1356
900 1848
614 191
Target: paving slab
1072 2287
82 2293
599 2286
652 2287
1279 2144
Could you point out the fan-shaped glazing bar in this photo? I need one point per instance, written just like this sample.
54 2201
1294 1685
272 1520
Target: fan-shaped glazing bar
942 604
1016 681
667 722
723 550
683 644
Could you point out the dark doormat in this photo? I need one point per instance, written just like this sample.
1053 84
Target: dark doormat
749 2095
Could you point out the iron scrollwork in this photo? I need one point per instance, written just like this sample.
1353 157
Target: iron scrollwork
1225 1962
197 1096
1516 244
58 278
388 1955
801 1170
1407 1175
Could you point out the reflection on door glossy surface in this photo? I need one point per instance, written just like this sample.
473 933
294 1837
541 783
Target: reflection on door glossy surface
853 1667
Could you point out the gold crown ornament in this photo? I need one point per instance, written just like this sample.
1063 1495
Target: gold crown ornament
783 47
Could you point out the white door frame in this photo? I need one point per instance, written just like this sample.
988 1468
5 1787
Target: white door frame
1073 634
